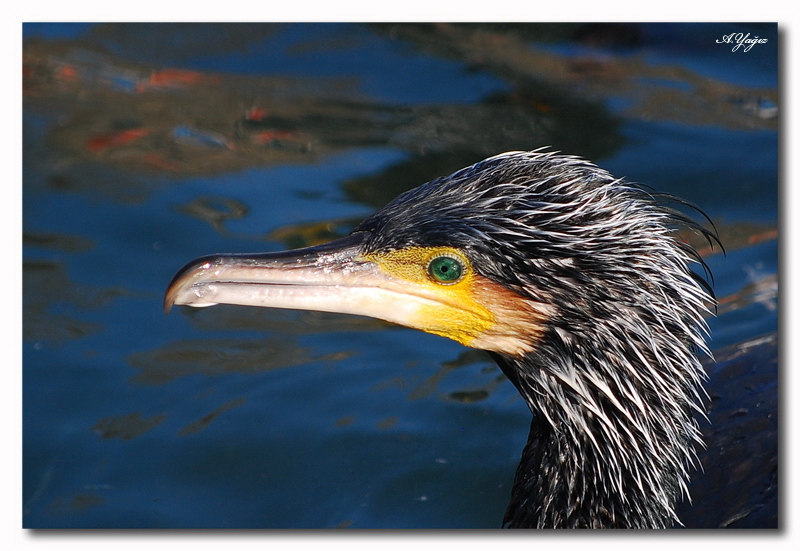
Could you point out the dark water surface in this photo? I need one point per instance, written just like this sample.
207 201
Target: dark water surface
146 146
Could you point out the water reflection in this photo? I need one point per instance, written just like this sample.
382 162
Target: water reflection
46 283
191 122
127 426
214 210
212 357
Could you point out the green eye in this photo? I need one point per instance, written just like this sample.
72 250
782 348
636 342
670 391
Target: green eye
445 269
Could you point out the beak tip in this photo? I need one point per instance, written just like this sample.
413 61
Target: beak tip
171 295
169 301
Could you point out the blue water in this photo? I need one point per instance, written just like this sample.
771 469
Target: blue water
237 417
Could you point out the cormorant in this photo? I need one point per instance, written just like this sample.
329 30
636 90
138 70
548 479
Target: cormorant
575 282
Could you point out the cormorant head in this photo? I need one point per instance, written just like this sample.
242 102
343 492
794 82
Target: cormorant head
577 284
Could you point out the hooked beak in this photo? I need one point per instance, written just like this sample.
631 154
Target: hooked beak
342 277
331 278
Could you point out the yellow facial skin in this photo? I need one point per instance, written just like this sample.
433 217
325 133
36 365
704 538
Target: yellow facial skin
456 314
472 310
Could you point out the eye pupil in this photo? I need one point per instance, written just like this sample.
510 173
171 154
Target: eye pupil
445 269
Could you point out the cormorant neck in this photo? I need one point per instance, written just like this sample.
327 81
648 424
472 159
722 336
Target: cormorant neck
542 498
594 456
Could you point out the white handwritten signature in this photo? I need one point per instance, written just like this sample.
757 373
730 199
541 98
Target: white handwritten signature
741 40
